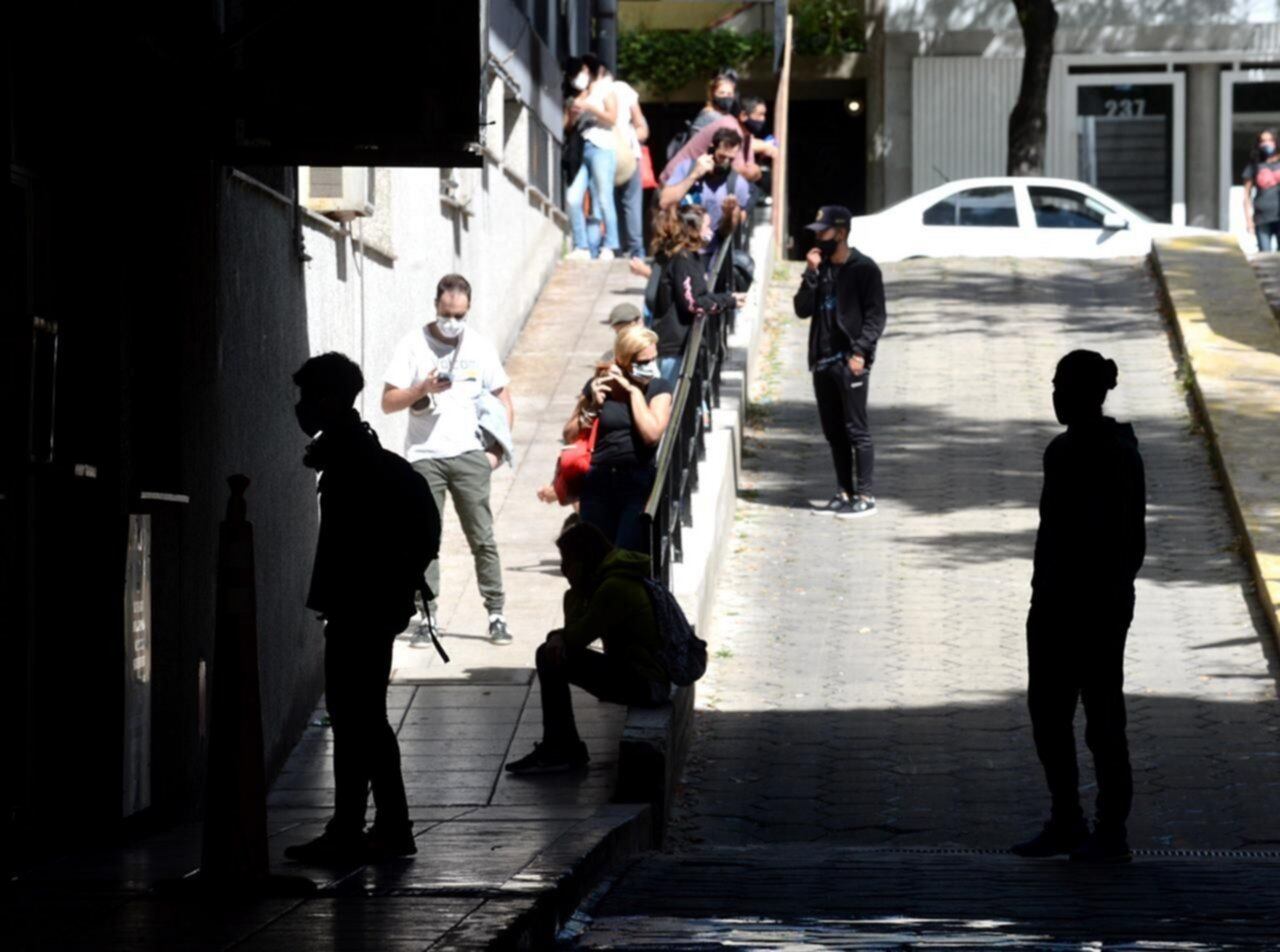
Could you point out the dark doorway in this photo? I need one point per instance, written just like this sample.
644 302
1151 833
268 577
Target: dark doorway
826 163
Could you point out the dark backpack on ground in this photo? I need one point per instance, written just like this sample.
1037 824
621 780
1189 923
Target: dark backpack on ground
683 652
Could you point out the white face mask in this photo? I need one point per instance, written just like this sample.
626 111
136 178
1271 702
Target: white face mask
450 327
645 370
581 82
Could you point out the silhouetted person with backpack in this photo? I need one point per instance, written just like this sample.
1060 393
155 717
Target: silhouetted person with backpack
1089 549
367 568
607 599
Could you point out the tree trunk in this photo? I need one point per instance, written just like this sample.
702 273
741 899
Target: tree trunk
1028 122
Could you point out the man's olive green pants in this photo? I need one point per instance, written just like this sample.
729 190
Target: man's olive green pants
467 478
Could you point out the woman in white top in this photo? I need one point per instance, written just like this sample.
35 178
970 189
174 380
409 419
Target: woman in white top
592 110
630 194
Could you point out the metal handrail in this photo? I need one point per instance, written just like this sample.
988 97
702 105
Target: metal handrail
683 444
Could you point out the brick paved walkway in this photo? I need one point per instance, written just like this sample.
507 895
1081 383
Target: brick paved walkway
868 681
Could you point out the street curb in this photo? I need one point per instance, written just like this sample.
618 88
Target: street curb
573 865
1230 342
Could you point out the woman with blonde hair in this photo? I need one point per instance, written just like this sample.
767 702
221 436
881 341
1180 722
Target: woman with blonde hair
629 404
682 296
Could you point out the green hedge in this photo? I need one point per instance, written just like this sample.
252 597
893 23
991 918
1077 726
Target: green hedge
666 60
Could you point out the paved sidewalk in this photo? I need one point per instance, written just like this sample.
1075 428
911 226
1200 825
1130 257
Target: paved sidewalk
867 687
494 851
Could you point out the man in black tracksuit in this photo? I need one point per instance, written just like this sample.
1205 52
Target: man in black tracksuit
1090 546
843 293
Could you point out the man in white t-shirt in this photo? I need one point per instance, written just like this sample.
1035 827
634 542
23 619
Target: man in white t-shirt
437 373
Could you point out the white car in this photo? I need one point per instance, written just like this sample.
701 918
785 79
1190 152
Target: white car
1010 217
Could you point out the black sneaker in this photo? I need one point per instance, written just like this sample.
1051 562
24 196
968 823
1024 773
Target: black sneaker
545 760
858 507
1103 848
1054 840
421 637
381 844
328 850
836 504
498 631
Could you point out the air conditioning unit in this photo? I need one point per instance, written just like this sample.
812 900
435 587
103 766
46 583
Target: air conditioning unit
340 193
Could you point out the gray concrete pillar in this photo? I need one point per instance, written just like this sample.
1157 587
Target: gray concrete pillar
1202 145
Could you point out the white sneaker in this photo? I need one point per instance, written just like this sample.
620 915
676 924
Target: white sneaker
606 254
578 254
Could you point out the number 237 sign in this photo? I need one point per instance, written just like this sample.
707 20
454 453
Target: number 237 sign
1124 108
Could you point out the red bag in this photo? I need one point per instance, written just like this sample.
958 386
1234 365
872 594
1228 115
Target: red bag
647 178
572 466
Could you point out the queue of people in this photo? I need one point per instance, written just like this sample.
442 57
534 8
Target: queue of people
605 131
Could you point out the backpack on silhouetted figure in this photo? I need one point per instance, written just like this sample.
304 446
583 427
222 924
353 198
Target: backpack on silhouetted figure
408 503
683 652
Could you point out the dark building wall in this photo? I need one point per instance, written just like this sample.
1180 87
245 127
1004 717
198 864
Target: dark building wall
240 397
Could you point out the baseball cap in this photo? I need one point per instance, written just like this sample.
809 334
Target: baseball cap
831 216
622 314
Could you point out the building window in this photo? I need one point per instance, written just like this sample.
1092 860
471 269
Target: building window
515 137
539 158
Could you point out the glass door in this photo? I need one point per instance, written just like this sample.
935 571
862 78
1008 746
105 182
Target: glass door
1129 139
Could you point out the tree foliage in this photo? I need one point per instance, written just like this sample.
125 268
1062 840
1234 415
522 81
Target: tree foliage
667 60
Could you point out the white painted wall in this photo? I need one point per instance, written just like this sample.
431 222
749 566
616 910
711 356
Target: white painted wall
934 15
506 245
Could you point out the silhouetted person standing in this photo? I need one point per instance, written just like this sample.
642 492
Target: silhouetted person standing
1089 549
366 571
843 293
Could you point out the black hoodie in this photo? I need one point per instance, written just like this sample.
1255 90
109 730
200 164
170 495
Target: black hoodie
856 290
1092 537
682 298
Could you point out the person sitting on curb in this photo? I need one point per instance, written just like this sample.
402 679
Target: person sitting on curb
606 599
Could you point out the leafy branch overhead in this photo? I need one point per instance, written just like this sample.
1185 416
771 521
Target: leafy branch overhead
667 60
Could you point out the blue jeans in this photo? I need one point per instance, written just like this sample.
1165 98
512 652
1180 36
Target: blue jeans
1268 235
631 200
596 173
669 368
613 499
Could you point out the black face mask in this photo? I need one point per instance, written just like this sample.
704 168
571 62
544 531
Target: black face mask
754 126
724 103
828 247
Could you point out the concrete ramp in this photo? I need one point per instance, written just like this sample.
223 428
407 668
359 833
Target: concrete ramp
1232 345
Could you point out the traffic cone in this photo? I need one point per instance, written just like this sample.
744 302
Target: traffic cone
235 824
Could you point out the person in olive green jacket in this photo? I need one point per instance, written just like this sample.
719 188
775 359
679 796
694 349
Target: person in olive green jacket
606 600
